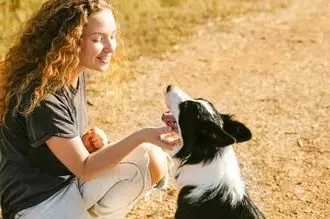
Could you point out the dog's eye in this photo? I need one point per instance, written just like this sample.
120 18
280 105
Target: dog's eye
203 131
209 134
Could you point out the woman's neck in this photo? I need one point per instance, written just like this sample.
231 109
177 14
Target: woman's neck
75 76
74 82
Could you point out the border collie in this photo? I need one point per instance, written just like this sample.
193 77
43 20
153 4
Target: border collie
205 165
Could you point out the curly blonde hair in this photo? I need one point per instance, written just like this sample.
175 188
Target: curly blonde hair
47 51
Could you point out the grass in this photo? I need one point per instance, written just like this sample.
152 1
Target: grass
13 13
149 27
152 27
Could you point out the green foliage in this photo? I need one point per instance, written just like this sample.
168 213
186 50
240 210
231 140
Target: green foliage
149 27
171 3
13 13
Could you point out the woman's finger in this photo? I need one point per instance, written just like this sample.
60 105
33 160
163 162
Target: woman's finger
168 143
171 137
98 143
95 138
163 130
88 135
166 146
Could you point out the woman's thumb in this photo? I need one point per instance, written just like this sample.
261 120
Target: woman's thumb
165 129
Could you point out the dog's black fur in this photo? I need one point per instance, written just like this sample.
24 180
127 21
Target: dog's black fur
205 137
215 207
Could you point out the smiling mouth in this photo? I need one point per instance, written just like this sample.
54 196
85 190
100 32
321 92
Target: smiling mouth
169 119
105 60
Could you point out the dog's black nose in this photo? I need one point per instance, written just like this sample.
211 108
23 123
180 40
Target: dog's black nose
169 88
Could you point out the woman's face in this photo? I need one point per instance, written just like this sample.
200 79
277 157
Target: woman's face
99 41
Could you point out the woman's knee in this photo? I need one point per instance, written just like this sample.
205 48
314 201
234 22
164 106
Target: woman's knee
157 164
152 161
125 173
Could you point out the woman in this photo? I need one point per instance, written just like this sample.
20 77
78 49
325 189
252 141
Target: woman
50 167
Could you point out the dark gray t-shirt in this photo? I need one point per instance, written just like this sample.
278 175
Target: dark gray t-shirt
29 171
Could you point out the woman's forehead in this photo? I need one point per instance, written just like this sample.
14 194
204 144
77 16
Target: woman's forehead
102 21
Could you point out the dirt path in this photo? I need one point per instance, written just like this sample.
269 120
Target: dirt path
272 71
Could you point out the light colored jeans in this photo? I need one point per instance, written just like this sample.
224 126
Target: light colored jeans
109 196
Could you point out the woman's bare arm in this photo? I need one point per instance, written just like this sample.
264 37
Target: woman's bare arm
73 154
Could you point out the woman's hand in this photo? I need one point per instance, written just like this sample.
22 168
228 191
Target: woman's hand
94 139
158 136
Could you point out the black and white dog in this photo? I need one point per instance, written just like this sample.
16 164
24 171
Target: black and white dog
205 165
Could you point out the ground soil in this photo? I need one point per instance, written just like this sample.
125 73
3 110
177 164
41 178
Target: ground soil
272 71
269 69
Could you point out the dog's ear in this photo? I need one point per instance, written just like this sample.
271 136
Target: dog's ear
223 139
236 129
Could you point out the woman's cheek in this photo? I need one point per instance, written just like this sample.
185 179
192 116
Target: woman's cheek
94 49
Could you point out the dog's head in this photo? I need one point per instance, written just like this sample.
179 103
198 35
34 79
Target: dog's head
203 130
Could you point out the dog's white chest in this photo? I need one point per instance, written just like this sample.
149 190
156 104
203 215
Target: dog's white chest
222 171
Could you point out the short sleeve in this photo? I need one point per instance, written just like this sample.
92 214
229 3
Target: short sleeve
51 118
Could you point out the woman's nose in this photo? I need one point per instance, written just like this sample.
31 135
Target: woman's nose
109 45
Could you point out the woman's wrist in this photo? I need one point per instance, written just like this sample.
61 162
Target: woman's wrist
138 137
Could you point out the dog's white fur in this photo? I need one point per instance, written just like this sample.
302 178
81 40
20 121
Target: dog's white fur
208 176
212 176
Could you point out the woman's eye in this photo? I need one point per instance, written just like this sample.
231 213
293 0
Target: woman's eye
97 40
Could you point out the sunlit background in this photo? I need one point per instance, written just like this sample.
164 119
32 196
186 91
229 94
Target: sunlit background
266 60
